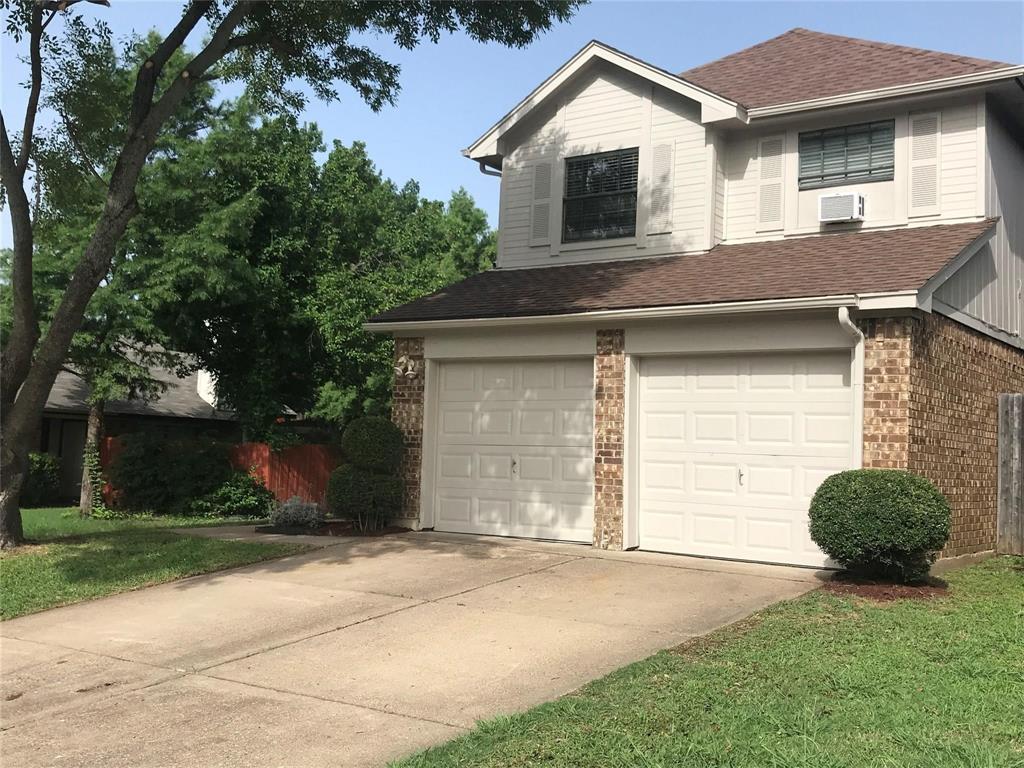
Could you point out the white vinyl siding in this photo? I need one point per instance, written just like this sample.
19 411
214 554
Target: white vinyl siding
608 110
952 172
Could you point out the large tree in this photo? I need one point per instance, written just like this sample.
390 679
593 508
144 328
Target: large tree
268 46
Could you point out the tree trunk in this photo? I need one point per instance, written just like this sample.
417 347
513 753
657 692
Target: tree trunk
13 476
90 458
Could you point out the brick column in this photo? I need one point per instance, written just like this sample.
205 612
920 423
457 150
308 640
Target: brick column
887 372
609 423
407 414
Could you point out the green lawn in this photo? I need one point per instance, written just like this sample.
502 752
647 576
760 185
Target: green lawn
77 559
816 682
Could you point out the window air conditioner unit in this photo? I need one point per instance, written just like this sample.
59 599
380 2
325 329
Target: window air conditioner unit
845 206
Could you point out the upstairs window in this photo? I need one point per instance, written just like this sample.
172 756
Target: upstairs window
600 196
847 155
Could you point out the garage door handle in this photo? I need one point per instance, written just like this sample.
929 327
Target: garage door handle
515 467
740 471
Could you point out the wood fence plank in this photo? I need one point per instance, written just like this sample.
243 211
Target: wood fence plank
1010 514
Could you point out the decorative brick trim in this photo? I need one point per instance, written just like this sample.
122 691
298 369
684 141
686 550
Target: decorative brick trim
407 414
887 350
931 389
609 431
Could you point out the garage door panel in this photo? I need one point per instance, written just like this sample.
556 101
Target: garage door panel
550 515
731 449
514 449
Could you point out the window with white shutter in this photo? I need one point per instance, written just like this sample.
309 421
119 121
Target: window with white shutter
540 208
659 219
925 135
770 174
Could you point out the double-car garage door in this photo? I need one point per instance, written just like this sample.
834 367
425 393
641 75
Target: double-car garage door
727 450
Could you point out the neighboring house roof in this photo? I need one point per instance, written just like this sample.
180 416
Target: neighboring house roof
179 400
801 65
825 265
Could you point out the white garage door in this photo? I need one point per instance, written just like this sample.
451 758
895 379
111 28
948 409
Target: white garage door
515 449
732 449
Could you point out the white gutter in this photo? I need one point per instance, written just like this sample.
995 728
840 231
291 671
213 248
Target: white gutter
901 299
895 91
857 375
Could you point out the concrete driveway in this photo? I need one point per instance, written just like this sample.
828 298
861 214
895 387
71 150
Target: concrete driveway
354 654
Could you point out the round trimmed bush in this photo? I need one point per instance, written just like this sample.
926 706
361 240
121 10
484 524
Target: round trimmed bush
880 523
367 498
372 443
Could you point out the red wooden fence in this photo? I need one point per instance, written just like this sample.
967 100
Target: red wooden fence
301 470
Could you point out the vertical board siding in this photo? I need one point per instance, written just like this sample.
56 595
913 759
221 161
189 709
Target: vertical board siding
1010 519
989 286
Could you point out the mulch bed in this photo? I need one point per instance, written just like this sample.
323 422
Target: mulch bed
884 591
331 528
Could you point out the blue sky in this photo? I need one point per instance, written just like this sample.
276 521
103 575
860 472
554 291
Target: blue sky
453 91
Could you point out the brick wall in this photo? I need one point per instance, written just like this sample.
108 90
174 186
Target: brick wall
957 375
609 424
887 349
407 414
930 406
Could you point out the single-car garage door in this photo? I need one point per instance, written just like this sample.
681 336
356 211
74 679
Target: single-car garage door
732 448
515 449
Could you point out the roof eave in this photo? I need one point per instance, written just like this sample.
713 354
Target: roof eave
878 94
869 301
714 107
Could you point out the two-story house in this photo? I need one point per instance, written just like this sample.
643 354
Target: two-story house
716 288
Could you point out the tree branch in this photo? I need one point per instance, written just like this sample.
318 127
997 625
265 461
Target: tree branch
214 51
149 72
79 150
17 352
36 83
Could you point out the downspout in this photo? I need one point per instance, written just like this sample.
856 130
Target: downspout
487 171
858 384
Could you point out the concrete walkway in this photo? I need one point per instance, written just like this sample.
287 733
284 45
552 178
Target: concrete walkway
353 654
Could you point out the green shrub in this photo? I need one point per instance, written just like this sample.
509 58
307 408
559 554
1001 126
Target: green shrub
242 495
42 484
165 476
365 497
296 513
880 523
372 443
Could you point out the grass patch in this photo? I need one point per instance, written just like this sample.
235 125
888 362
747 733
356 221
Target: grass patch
49 523
818 681
78 559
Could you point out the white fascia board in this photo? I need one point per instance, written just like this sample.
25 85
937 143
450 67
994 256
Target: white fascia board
889 300
641 313
896 91
952 267
713 106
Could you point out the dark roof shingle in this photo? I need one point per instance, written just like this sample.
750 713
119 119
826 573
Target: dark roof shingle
801 64
825 265
180 399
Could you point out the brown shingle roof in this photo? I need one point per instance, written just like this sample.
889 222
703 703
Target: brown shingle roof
802 64
826 265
